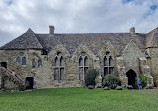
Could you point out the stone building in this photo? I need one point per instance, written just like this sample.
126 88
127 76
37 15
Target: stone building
62 60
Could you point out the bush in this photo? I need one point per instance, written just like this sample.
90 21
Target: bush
111 81
144 80
90 77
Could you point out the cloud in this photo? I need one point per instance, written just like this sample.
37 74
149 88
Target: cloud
76 16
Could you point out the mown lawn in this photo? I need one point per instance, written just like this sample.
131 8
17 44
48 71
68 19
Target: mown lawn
80 99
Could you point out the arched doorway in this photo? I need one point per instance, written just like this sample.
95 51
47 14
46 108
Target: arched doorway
131 75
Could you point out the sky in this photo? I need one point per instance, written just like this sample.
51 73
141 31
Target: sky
76 16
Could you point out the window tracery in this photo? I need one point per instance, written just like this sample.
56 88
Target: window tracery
21 59
108 64
59 67
83 65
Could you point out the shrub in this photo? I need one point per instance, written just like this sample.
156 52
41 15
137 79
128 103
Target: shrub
111 81
144 80
90 77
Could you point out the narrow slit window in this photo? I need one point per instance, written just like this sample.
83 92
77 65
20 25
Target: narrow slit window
39 63
33 64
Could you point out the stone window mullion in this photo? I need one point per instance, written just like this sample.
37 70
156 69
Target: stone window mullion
83 66
108 65
59 67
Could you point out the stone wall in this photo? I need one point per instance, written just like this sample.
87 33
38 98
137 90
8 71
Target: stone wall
44 76
131 57
153 63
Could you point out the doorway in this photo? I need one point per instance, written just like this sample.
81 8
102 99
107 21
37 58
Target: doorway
131 75
29 83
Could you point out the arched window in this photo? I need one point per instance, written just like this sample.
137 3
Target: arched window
80 61
18 59
23 60
33 64
39 63
59 67
83 65
61 61
108 64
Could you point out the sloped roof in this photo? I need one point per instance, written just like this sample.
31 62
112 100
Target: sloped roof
152 38
27 40
95 41
71 41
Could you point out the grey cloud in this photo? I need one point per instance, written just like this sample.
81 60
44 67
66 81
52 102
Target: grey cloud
74 16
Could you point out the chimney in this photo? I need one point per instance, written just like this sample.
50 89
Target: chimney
51 30
132 30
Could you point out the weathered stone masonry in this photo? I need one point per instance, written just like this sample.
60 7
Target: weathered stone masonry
61 60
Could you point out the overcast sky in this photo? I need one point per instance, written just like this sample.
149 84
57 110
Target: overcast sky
76 16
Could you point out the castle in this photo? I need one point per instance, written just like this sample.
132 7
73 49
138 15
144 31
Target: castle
62 60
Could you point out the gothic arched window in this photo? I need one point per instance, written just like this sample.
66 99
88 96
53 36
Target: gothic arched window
33 64
59 67
83 65
108 64
21 59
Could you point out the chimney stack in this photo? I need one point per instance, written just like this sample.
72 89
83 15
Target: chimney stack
51 30
132 30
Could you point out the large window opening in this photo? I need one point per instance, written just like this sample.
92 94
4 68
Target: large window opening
59 67
21 59
108 64
83 65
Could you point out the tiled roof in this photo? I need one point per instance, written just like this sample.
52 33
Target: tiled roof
27 40
95 41
152 38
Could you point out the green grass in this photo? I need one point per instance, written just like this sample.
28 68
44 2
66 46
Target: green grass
80 99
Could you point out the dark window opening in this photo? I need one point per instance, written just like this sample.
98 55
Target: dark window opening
39 63
44 52
108 64
21 54
83 66
4 64
33 64
24 61
59 67
29 83
18 59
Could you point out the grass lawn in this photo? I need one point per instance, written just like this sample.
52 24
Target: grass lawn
80 99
